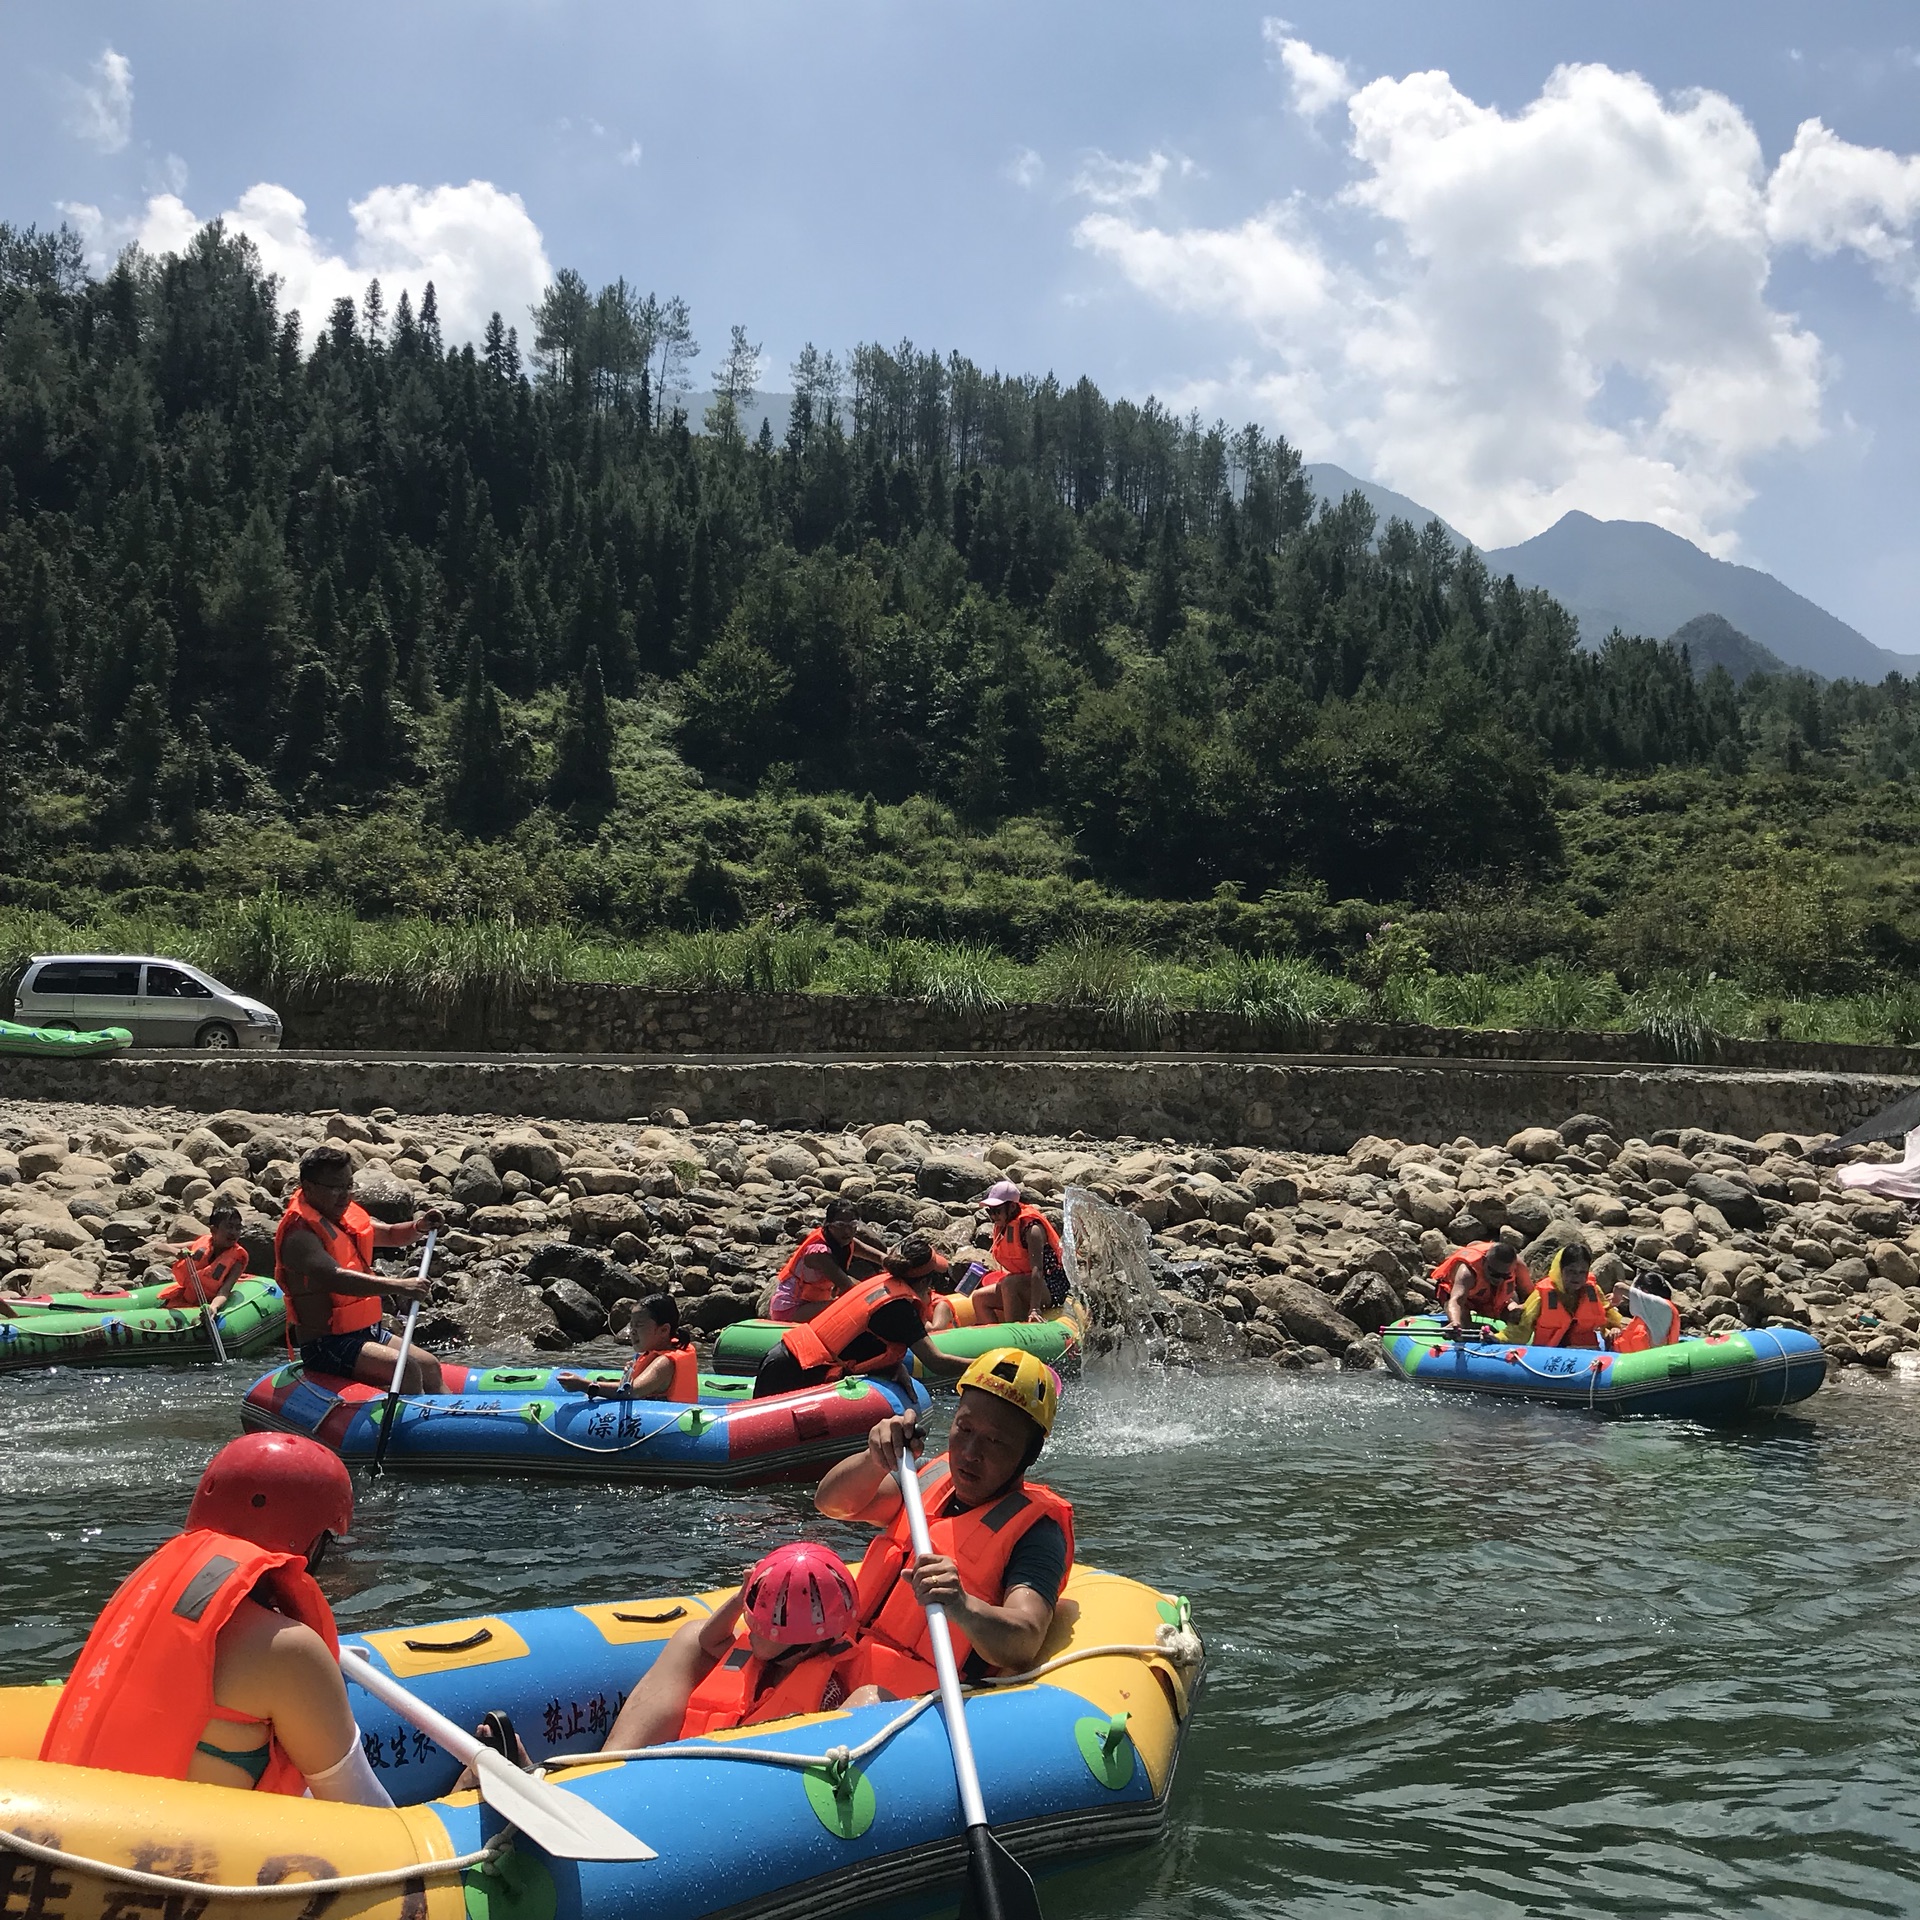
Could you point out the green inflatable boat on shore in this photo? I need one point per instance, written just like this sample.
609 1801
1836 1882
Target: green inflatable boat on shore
741 1347
254 1322
58 1043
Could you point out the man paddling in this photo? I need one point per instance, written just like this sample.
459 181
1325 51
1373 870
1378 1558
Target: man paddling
323 1260
1002 1544
871 1329
216 1660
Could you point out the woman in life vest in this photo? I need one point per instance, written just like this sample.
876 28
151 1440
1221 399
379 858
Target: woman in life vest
1484 1280
779 1647
1652 1320
870 1329
1002 1544
216 1660
824 1265
216 1260
323 1260
664 1365
1030 1270
1566 1309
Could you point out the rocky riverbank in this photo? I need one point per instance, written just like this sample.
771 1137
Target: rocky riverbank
1295 1259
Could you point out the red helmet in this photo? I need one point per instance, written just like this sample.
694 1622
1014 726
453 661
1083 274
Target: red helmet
278 1490
799 1595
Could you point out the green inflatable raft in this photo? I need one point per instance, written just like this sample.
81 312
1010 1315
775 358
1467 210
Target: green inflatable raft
58 1042
254 1322
741 1347
134 1300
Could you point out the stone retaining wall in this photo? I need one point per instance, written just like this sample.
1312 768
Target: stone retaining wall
1307 1104
586 1017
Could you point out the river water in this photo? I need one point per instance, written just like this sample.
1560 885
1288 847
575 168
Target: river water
1463 1659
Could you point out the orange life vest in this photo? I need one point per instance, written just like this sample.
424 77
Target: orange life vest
1635 1337
686 1371
141 1693
1468 1266
738 1692
819 1342
791 1288
1585 1326
979 1542
349 1243
217 1271
1010 1252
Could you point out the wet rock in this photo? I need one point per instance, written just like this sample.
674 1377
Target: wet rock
578 1313
954 1176
1740 1205
719 1310
1369 1301
495 1310
1306 1313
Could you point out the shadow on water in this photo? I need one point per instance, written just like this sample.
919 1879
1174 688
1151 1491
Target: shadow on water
1464 1659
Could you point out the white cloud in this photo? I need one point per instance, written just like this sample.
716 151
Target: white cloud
1116 183
630 154
1026 169
1565 306
1828 195
1318 80
101 112
478 246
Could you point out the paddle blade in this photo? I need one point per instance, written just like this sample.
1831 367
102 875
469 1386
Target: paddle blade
998 1886
567 1826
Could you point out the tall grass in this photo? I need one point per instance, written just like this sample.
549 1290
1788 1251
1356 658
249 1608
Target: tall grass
291 950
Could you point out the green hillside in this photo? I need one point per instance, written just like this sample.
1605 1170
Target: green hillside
451 634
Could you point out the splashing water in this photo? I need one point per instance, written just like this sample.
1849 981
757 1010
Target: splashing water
1106 1249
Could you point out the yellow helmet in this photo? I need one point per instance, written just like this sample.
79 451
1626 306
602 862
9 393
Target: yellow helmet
1020 1379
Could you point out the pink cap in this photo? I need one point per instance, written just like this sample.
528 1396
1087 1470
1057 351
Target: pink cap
1003 1193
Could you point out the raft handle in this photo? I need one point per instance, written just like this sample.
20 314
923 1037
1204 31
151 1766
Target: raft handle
643 1619
478 1638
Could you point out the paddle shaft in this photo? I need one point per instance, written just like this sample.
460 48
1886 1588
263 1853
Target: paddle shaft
206 1312
966 1775
392 1410
409 1706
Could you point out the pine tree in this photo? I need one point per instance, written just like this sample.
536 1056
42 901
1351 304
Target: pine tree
486 773
366 719
142 748
304 748
1163 587
697 630
583 764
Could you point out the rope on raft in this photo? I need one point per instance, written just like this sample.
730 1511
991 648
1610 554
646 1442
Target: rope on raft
427 1410
1179 1647
201 1889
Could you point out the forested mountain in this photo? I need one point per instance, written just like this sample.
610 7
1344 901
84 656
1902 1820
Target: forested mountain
369 604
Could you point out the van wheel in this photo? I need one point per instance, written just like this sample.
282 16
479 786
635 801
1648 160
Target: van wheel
216 1033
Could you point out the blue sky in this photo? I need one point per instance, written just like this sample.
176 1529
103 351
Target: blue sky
1600 263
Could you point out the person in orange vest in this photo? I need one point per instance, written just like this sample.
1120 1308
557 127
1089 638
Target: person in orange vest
664 1365
1567 1309
1650 1315
824 1265
1002 1543
216 1660
1484 1280
1030 1268
323 1260
216 1260
780 1646
871 1329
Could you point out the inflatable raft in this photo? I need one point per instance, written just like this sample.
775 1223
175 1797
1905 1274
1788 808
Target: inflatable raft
820 1815
132 1300
517 1420
741 1347
253 1322
59 1042
1720 1376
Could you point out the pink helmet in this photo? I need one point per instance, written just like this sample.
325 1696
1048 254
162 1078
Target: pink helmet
799 1595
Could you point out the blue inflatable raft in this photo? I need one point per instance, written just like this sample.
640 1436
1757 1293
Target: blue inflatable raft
1720 1376
784 1821
517 1420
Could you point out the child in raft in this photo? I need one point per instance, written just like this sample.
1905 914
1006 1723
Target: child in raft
663 1366
216 1260
1651 1318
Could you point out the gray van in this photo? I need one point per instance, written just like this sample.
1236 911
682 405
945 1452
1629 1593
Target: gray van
163 1003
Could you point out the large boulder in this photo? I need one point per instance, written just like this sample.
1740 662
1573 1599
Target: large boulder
1740 1205
605 1216
719 1310
790 1162
383 1196
1306 1313
40 1158
955 1176
1893 1262
1536 1144
605 1179
607 1279
526 1150
476 1184
495 1310
1578 1130
577 1311
1369 1301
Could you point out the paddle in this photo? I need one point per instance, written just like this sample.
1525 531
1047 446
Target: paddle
567 1826
206 1312
391 1413
998 1886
